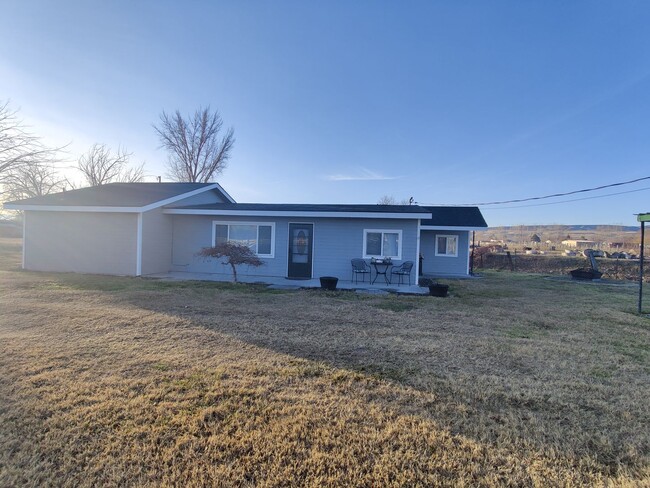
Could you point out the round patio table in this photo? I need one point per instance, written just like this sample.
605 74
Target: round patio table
381 268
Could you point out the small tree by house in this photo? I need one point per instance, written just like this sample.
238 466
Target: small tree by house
234 253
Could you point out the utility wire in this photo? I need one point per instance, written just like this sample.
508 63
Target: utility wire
572 200
555 195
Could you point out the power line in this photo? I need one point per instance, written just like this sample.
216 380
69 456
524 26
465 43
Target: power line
555 195
573 200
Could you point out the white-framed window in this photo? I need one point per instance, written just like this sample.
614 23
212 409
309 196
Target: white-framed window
382 243
447 246
259 236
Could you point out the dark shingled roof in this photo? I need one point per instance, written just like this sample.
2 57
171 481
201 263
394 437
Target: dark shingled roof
455 217
302 207
114 195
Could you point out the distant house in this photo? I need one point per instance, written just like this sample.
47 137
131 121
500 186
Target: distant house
617 245
579 243
140 229
535 239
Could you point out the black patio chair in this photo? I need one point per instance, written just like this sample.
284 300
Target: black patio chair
401 271
360 267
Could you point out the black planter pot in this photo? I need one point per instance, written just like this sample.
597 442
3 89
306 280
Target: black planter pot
585 274
438 290
328 282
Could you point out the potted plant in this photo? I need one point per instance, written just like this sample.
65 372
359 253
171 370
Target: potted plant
328 282
435 289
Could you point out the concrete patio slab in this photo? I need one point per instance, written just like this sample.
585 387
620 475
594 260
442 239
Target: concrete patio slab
286 284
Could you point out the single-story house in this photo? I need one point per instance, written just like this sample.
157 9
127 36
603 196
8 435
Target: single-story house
140 229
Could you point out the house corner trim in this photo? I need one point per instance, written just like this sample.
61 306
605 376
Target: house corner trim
138 247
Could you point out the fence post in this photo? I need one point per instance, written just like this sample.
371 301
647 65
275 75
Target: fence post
471 269
641 265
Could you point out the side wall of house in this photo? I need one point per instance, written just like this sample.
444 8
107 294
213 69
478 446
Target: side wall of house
81 242
336 242
156 242
444 265
157 231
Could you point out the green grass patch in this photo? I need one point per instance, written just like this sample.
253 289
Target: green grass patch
637 351
396 305
601 373
518 332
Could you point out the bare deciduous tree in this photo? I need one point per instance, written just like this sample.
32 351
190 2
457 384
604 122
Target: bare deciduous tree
197 150
100 166
391 200
32 180
19 148
387 200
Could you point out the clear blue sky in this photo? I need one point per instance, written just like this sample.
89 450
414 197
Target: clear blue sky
343 102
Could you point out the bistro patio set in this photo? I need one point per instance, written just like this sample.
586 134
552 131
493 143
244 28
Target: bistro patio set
381 267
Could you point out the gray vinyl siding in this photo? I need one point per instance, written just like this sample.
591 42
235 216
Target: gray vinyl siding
444 265
156 242
81 242
336 242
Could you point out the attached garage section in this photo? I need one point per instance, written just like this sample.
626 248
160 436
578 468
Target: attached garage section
81 242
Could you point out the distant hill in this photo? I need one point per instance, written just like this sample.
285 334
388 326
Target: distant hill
568 228
627 235
623 228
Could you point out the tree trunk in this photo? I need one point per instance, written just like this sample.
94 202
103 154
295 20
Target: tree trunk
234 272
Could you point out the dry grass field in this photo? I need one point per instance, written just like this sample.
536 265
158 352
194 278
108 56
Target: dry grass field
513 380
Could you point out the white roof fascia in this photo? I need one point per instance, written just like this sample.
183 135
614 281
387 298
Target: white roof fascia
450 227
146 208
71 208
138 246
214 186
286 213
225 193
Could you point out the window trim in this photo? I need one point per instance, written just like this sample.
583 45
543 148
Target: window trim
382 232
445 254
257 224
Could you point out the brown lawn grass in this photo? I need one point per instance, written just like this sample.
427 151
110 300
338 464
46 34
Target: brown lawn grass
513 380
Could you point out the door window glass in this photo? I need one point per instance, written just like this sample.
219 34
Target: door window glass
300 250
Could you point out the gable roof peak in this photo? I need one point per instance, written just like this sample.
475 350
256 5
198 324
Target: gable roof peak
122 197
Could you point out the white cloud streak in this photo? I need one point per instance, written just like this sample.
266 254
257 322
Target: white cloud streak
363 175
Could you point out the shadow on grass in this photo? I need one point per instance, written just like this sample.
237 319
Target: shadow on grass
499 357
